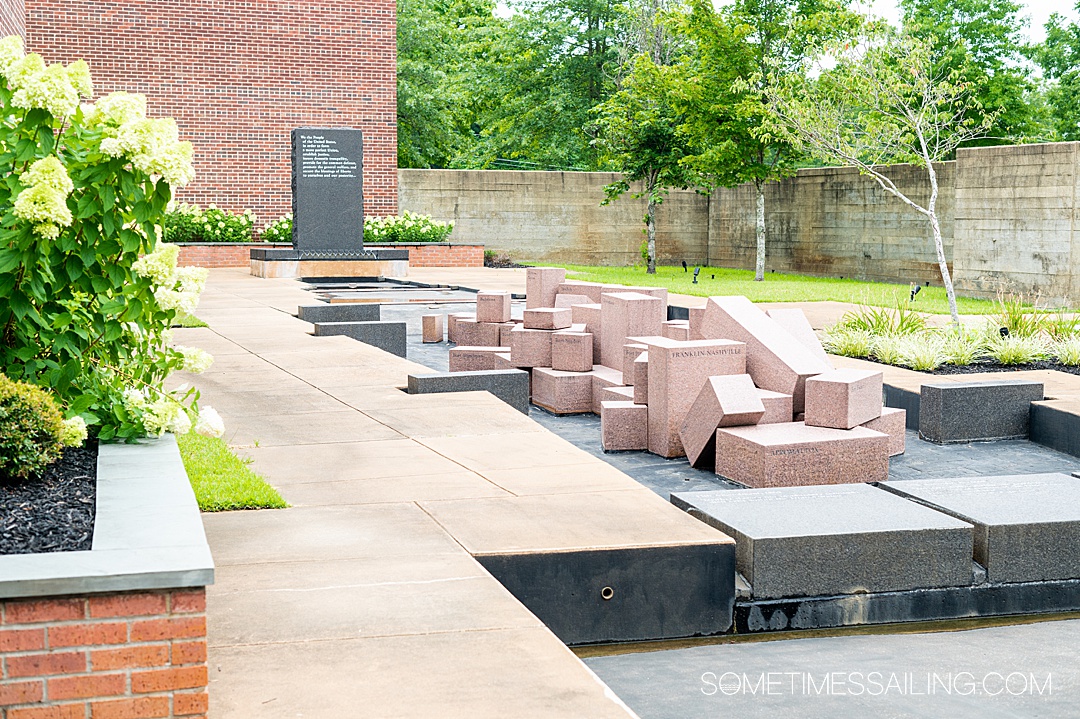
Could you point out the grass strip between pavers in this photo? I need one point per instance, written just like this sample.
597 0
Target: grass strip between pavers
221 480
190 321
778 287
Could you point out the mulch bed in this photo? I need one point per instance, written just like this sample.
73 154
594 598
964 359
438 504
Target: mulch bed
53 513
502 262
991 366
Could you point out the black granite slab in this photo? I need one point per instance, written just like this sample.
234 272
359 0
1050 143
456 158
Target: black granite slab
974 411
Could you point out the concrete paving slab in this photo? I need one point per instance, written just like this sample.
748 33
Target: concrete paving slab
265 403
293 464
519 451
567 480
464 420
288 429
448 485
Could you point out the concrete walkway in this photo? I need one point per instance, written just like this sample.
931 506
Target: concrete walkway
364 599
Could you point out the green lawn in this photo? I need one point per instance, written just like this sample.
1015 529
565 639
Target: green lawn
221 480
190 321
778 287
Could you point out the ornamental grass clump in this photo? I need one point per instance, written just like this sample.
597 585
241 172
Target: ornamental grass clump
1067 351
888 349
962 347
87 293
848 342
1016 350
188 223
924 352
33 432
408 227
884 321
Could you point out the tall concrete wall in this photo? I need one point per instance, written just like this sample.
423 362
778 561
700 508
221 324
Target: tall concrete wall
555 216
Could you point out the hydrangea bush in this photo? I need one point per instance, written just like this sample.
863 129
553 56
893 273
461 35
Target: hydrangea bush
280 230
86 296
188 223
406 228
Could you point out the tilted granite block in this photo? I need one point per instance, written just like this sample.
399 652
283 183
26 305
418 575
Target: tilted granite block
970 411
388 336
603 377
676 330
492 306
631 351
589 315
548 318
541 285
1027 526
641 378
562 392
530 348
777 407
623 426
725 401
775 359
451 323
677 372
474 359
564 300
794 321
571 351
792 454
617 394
340 312
476 334
509 385
591 290
697 315
843 398
432 328
626 314
820 541
892 422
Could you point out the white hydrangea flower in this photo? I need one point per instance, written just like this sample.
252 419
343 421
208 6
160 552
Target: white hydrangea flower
180 424
159 415
50 172
209 423
23 70
192 279
79 75
45 207
196 360
49 90
73 432
134 399
118 108
159 265
11 51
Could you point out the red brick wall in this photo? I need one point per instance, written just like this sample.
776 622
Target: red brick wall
106 656
423 255
238 76
12 15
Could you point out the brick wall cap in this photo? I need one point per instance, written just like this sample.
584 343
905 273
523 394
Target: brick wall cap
148 533
230 244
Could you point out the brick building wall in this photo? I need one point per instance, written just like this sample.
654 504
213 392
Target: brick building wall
106 656
12 16
238 76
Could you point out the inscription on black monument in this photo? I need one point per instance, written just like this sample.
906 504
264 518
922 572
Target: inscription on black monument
328 196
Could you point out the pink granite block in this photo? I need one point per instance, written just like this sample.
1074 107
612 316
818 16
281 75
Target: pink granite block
775 359
432 328
476 334
548 318
843 398
589 315
892 422
617 394
591 290
562 392
451 323
530 348
571 351
541 284
626 314
603 378
631 351
505 328
794 321
576 327
724 401
474 359
493 306
677 371
676 330
659 293
777 407
641 378
502 360
623 426
793 454
566 300
697 314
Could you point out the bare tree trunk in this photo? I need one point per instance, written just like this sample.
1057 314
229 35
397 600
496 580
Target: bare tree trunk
650 228
943 265
759 266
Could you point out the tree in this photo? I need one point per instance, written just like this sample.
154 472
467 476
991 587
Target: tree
1059 58
738 52
638 134
883 103
983 40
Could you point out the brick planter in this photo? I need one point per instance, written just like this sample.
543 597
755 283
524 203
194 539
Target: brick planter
421 254
120 630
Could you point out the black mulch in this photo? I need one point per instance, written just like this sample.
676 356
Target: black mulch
991 366
54 513
502 263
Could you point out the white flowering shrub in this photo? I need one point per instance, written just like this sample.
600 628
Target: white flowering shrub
188 223
406 228
280 230
87 297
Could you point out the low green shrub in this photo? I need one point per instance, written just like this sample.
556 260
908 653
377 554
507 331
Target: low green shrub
406 228
187 223
32 430
1067 351
924 352
280 230
1017 350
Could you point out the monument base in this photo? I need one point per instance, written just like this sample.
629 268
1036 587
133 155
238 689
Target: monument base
363 263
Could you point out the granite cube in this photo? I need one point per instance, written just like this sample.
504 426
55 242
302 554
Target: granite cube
724 401
623 426
777 407
562 392
541 285
641 378
571 351
603 378
474 359
631 351
676 330
626 314
589 315
432 328
530 348
843 398
617 394
476 334
451 323
493 306
548 318
892 422
565 300
591 290
697 314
